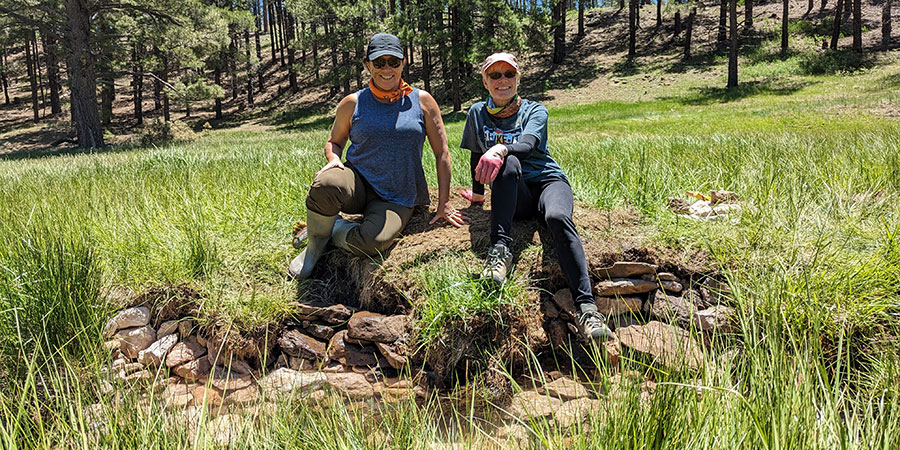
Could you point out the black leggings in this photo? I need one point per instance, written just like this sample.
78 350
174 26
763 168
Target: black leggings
552 199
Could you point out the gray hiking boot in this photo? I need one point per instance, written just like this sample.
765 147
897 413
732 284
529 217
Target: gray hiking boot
498 264
592 326
318 233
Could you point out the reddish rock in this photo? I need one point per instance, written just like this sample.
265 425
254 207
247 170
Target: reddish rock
549 310
242 397
395 359
207 396
167 328
377 328
615 306
319 331
224 380
667 345
623 286
336 346
185 351
333 314
558 334
360 356
193 370
297 344
626 269
352 385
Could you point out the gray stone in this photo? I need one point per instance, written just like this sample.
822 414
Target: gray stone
716 318
672 287
575 412
563 299
376 327
135 339
156 353
127 318
667 345
285 382
672 309
626 269
623 286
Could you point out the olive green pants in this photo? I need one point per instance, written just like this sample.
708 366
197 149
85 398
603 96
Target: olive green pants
339 190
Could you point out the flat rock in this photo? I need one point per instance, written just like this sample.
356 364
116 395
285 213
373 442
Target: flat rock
282 382
563 299
156 352
667 345
127 318
333 314
352 385
208 396
355 355
194 370
225 380
672 309
615 306
168 327
715 318
575 412
185 351
672 287
626 269
177 395
662 276
564 388
242 397
337 348
318 331
623 286
376 327
530 405
395 359
297 344
135 339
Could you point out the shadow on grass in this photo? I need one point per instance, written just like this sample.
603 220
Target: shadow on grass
710 95
67 151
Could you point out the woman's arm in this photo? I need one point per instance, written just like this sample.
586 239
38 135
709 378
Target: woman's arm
340 132
437 138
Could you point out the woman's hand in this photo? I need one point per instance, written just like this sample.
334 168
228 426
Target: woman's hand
450 214
489 165
472 197
334 162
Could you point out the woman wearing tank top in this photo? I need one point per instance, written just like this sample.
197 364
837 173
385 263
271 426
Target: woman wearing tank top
383 178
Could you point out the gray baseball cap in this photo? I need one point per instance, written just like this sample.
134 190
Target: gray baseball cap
384 44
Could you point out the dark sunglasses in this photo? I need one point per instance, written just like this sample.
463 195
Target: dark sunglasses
393 61
507 74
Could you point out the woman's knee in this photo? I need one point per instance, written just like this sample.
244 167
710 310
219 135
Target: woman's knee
328 192
512 168
373 244
556 217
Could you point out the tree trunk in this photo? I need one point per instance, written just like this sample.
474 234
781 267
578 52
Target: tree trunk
264 14
836 27
31 63
272 34
733 50
137 83
722 35
52 51
688 30
857 26
37 71
4 80
886 24
809 7
822 7
784 26
217 74
249 67
632 27
82 80
303 47
259 60
455 41
424 51
748 16
165 94
559 31
315 47
677 24
580 18
345 72
279 9
335 66
232 67
658 13
292 69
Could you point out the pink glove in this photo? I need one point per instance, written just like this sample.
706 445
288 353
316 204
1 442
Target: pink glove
467 194
488 167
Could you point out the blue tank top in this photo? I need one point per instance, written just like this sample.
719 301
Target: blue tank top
386 147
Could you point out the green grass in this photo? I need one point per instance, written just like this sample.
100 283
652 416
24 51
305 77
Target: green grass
814 262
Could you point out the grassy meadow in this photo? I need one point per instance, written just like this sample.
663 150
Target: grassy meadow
813 262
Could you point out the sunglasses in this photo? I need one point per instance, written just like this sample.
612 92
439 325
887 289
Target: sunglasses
392 61
507 74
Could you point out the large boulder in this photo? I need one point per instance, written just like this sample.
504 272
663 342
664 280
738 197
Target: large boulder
373 327
667 345
133 340
127 318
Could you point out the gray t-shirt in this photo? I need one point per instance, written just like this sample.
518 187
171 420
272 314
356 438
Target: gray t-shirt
483 131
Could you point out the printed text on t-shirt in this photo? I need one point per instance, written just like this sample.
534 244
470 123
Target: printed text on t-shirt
494 136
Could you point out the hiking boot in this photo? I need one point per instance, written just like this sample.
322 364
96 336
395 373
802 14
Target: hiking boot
318 233
498 264
592 326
